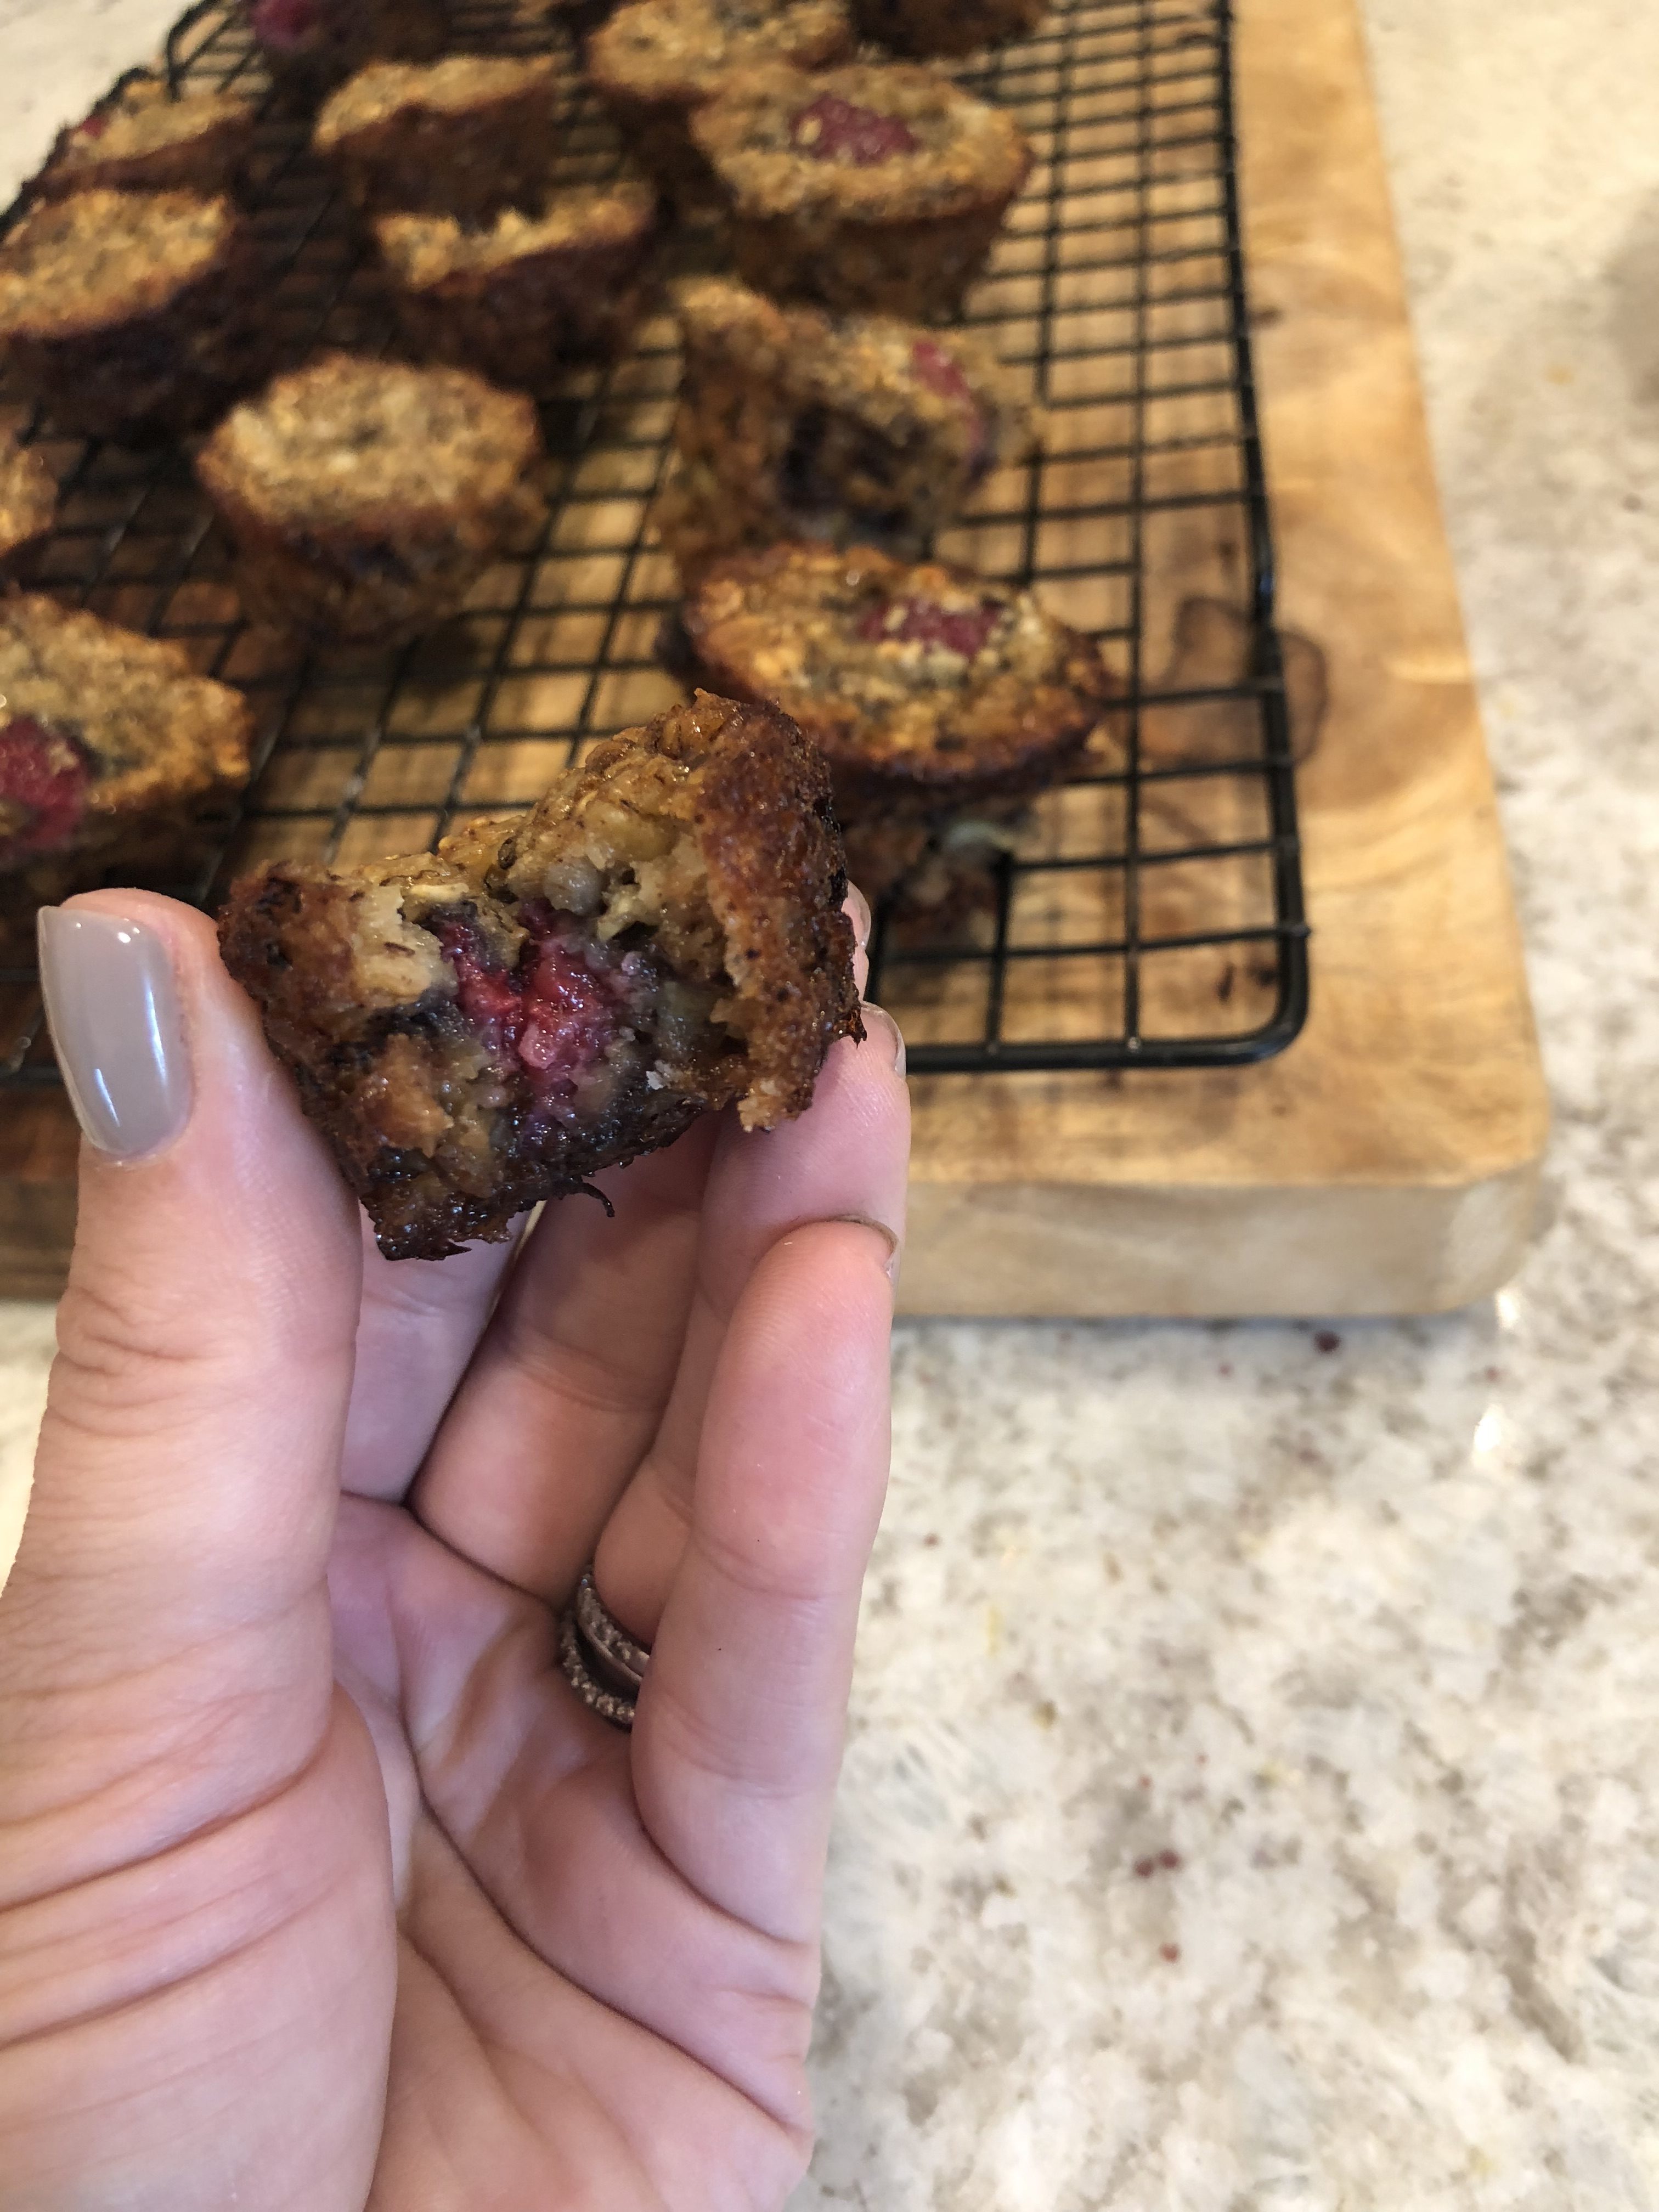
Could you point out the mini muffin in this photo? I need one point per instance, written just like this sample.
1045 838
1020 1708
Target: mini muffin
794 423
465 137
922 29
109 745
132 315
530 293
656 62
877 188
28 501
365 498
147 142
311 45
479 1028
933 693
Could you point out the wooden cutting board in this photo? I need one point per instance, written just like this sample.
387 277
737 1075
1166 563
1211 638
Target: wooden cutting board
1389 1162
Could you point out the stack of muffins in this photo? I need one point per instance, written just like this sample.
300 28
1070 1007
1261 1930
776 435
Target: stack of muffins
831 421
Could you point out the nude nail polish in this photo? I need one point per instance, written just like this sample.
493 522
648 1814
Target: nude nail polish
879 1022
112 1002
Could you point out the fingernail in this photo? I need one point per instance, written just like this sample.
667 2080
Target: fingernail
860 915
879 1022
114 1007
895 1251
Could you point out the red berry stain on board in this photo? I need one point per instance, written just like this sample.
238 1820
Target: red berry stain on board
934 367
94 127
923 622
1157 1862
284 22
835 130
1169 1953
44 775
1327 1339
555 1014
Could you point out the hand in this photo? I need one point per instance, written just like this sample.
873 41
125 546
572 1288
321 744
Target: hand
319 1886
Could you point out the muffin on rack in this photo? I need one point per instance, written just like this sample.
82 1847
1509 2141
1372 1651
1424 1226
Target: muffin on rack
795 423
145 141
941 702
923 28
533 291
109 748
365 498
133 314
311 45
465 137
551 995
877 188
656 62
28 501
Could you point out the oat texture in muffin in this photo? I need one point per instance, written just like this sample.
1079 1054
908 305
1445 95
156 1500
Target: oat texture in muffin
131 315
28 501
520 299
109 745
145 141
465 137
656 62
921 28
546 996
877 188
311 45
942 702
365 498
796 423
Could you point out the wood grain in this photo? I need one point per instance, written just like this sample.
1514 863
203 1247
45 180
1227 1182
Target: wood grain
1389 1162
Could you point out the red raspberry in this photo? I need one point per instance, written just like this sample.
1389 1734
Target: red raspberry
923 621
570 1017
834 130
284 23
46 774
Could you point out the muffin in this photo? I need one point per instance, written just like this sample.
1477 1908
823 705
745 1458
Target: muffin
465 137
365 498
937 697
133 315
311 45
28 501
530 293
146 143
793 423
109 745
877 188
479 1028
921 28
656 62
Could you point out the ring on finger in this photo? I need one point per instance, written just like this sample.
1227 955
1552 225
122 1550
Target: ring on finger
602 1662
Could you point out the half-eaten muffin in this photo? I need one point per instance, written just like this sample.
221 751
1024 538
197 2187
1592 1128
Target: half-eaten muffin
483 1027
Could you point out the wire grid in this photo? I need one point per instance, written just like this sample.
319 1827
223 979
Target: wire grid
1149 914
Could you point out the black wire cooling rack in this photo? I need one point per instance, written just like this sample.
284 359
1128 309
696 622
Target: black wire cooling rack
1150 914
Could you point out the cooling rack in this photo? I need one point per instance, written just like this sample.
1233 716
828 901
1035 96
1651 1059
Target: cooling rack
1149 914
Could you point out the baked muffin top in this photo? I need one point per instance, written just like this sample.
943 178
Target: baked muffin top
681 50
100 257
422 250
448 87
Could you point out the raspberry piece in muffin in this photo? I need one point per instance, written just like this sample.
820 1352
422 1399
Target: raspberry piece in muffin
479 1028
311 45
465 137
530 293
28 501
147 142
657 63
133 315
936 696
922 29
794 423
109 745
877 187
365 498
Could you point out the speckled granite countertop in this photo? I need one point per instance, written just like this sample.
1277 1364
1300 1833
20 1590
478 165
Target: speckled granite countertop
1253 1796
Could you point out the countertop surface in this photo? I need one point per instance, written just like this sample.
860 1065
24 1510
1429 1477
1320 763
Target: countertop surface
1253 1790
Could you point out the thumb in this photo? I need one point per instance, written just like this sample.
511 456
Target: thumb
173 1557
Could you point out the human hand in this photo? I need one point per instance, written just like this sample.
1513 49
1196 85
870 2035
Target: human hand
319 1886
